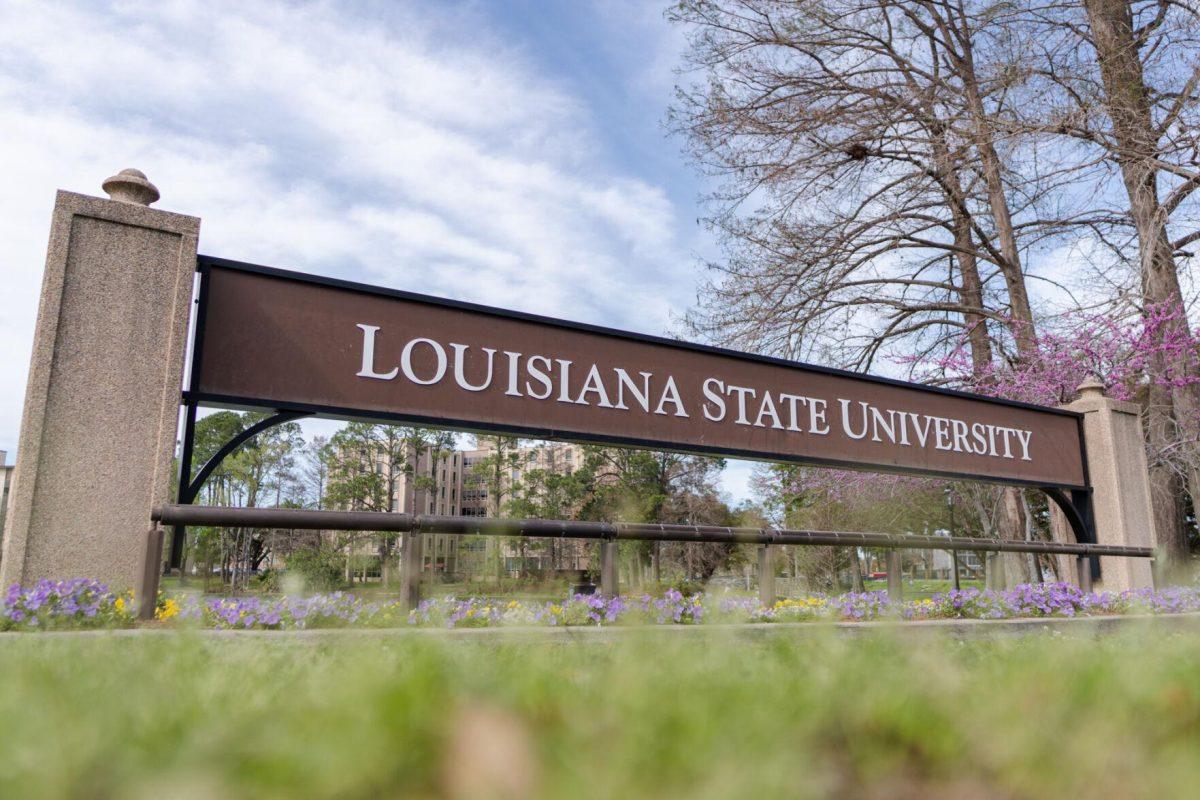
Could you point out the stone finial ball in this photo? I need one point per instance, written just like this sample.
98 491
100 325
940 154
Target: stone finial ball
131 186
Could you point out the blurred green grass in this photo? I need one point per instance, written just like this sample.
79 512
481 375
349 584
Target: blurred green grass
716 716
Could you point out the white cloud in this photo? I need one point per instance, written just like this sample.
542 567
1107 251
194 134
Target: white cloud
410 148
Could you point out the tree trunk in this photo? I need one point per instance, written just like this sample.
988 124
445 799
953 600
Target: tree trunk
1060 531
1128 105
385 561
983 135
1012 525
970 289
183 562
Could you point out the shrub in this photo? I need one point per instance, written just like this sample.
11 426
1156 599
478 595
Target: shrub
319 567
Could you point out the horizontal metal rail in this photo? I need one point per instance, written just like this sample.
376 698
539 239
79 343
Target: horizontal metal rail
300 519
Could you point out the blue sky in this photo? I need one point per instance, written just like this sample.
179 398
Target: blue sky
507 153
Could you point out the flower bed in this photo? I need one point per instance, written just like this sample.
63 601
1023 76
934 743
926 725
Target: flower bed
80 603
341 610
345 610
65 605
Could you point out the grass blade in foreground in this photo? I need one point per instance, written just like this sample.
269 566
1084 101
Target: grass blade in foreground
131 717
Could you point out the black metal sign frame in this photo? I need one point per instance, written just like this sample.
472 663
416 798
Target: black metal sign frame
1074 501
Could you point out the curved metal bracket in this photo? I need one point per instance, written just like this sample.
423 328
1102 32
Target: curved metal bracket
189 487
188 494
1077 507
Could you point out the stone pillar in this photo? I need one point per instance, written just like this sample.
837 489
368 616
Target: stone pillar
766 575
101 412
609 586
1116 463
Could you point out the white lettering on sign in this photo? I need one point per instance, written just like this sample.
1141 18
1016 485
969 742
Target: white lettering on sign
544 378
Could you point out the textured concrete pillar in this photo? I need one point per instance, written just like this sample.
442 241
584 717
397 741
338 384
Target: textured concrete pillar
1116 462
609 586
102 404
766 575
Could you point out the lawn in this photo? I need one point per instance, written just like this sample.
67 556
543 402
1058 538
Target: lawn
914 589
712 716
921 588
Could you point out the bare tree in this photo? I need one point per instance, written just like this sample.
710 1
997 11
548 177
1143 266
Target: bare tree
865 193
1121 81
875 194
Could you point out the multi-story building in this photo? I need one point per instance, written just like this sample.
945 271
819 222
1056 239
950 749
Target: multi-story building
462 483
483 554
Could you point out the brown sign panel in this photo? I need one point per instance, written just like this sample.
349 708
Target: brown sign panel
279 339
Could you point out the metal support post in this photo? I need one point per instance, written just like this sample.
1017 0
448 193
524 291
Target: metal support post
1083 564
410 569
152 556
993 570
895 580
608 568
953 553
766 575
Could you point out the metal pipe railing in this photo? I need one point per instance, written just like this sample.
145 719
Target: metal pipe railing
302 519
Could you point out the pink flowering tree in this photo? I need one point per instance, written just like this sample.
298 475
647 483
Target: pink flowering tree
1070 349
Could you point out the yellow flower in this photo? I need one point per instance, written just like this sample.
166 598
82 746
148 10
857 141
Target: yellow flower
168 609
120 604
513 604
